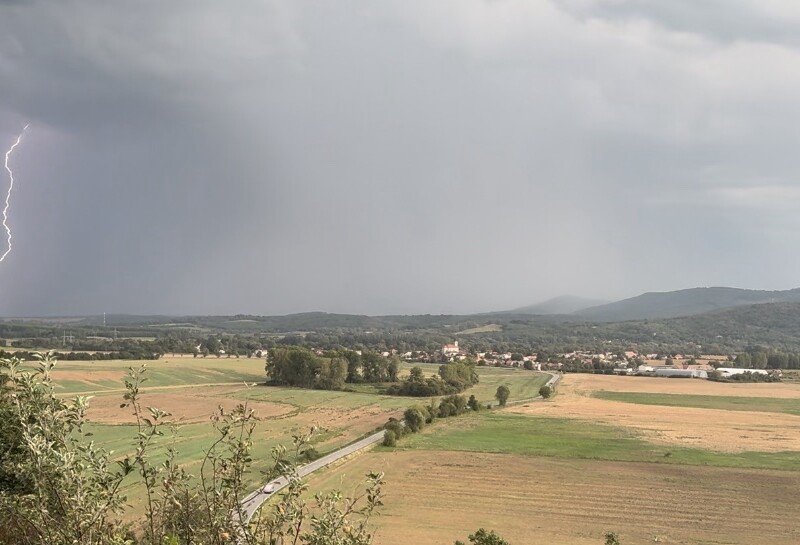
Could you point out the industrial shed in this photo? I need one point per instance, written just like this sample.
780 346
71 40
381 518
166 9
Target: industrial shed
681 373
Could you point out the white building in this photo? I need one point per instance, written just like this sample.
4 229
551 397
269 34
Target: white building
680 373
450 349
726 372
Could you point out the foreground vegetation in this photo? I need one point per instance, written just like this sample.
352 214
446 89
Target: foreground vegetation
57 487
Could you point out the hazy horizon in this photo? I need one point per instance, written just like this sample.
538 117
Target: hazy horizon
595 301
407 157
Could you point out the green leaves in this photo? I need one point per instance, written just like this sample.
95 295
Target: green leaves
68 489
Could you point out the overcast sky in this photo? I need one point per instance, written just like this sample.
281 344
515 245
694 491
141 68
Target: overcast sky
408 156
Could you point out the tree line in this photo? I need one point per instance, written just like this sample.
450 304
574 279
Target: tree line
762 358
418 416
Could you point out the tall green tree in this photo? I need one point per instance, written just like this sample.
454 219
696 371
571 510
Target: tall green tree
414 418
292 366
332 374
502 394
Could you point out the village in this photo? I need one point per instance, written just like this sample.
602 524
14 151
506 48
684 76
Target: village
618 363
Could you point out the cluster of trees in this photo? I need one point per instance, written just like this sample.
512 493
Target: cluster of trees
333 370
368 366
298 366
453 378
762 358
417 417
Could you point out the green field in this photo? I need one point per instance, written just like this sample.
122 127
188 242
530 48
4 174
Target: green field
728 403
498 432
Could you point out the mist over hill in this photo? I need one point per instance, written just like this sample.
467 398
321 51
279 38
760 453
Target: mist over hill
688 302
565 304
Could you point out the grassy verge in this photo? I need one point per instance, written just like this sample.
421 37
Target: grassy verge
729 403
497 432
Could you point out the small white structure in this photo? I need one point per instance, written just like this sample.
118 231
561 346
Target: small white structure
681 373
645 369
726 372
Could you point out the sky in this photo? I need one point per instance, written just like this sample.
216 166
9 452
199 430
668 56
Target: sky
396 156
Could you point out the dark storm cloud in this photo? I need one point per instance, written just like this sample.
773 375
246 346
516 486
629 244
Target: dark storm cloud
450 156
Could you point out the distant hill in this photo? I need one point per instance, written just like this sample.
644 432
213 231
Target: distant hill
565 304
689 302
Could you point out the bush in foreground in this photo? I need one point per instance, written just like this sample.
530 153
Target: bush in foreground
69 488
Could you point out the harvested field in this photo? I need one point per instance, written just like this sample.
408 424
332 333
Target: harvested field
712 429
185 408
437 497
584 383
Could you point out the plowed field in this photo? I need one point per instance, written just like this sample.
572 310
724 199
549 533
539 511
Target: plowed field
437 497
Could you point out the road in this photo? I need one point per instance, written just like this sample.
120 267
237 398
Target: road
552 382
252 502
554 378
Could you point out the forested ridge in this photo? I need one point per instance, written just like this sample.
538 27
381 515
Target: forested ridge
772 326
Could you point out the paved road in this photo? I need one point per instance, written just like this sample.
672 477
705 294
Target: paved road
553 382
554 378
253 501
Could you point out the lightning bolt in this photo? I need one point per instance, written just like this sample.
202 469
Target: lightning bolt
8 195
